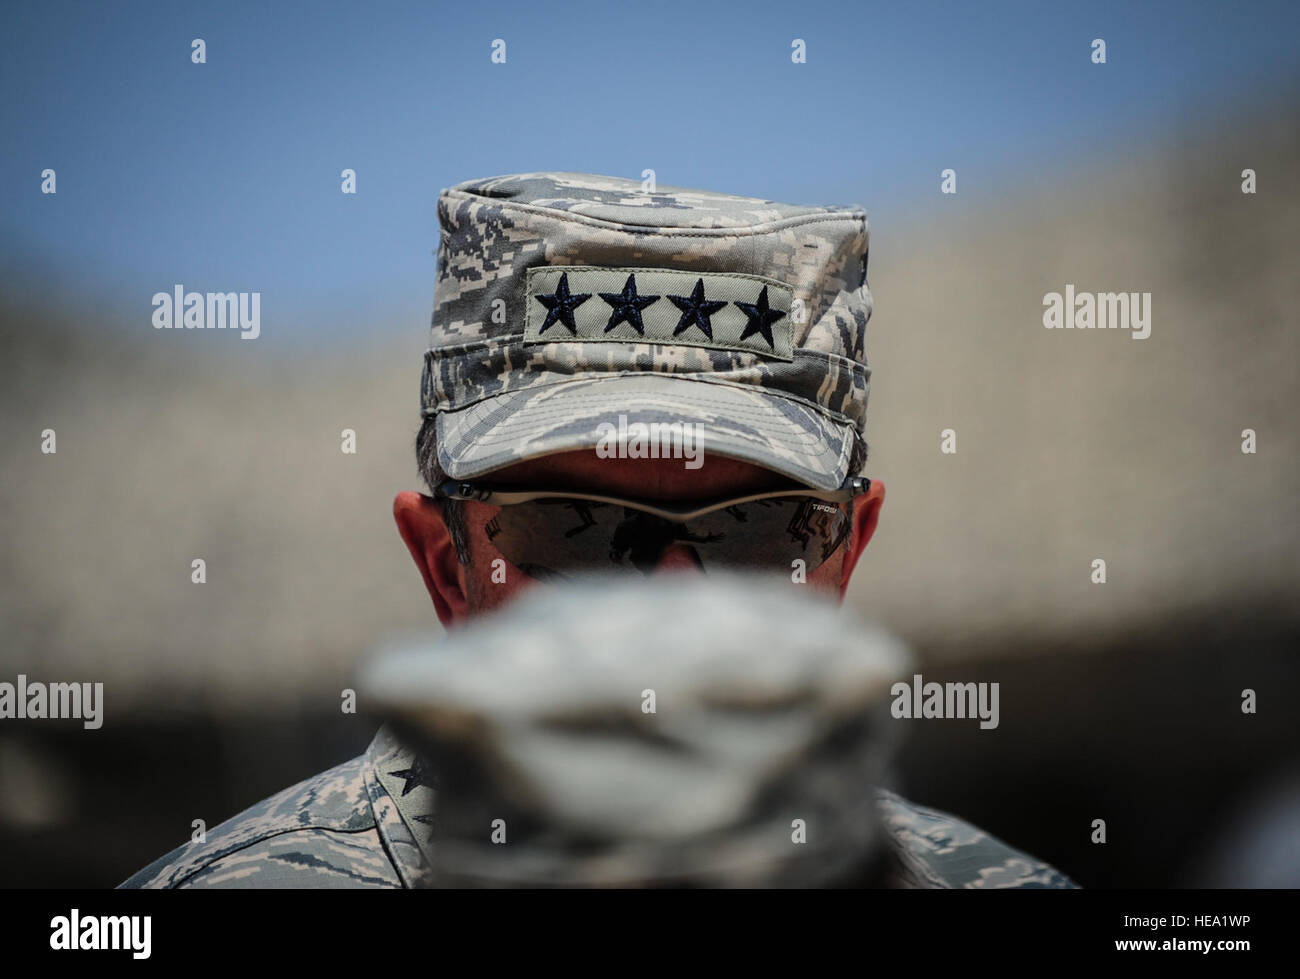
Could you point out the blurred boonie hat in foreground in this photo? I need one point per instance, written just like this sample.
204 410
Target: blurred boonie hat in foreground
724 732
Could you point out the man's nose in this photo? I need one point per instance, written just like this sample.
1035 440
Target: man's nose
678 557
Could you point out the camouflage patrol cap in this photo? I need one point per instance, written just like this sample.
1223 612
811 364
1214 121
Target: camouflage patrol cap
564 301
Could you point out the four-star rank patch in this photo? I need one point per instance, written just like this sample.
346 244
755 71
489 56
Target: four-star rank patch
721 310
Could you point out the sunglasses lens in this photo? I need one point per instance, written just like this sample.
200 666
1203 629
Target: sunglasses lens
558 538
771 533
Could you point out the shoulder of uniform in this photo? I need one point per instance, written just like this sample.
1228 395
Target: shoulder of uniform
321 828
936 849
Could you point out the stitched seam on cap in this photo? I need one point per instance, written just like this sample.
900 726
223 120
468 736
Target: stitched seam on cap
706 377
515 341
605 375
743 231
546 416
766 280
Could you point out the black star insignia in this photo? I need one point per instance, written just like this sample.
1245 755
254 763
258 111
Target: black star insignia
627 306
696 311
761 318
418 774
560 306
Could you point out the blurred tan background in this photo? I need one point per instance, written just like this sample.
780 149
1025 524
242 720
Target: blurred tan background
1071 446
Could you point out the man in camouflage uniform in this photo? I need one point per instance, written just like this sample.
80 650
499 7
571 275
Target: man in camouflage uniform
567 305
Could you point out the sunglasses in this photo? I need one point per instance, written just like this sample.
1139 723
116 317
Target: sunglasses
555 534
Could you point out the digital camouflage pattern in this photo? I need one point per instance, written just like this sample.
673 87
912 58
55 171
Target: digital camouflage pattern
342 829
501 396
338 829
933 849
770 710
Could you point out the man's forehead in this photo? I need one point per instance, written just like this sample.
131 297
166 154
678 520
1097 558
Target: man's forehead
666 478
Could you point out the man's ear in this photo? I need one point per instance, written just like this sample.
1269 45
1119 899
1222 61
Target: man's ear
866 513
419 521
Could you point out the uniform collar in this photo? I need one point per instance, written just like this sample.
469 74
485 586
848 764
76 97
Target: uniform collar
401 788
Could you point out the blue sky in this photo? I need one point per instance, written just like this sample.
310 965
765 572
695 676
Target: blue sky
225 176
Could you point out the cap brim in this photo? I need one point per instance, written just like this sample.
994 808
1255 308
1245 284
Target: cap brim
749 424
